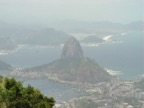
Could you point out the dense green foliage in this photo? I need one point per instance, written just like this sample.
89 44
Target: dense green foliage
14 95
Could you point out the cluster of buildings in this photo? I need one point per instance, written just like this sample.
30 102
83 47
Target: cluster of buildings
116 94
137 93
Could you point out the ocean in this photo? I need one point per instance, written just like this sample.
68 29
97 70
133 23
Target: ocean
121 55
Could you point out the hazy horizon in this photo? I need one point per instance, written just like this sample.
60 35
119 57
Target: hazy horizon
45 11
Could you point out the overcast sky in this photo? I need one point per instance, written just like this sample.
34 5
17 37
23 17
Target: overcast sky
84 10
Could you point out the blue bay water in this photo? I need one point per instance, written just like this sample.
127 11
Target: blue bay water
60 92
124 53
126 57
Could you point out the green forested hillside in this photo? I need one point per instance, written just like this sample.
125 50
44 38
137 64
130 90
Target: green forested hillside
14 95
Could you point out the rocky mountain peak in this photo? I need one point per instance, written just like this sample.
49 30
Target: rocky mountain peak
72 48
72 67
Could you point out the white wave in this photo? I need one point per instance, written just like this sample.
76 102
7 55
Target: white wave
106 38
3 53
6 51
113 72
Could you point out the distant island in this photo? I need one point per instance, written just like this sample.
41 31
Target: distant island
72 67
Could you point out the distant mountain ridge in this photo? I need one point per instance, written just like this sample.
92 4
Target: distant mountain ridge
45 35
101 27
32 35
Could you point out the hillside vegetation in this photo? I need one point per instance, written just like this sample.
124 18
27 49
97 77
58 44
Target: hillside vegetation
14 95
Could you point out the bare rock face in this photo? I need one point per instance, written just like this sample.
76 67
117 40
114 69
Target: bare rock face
72 48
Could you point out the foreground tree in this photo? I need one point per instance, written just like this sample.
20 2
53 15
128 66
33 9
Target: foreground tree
14 95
